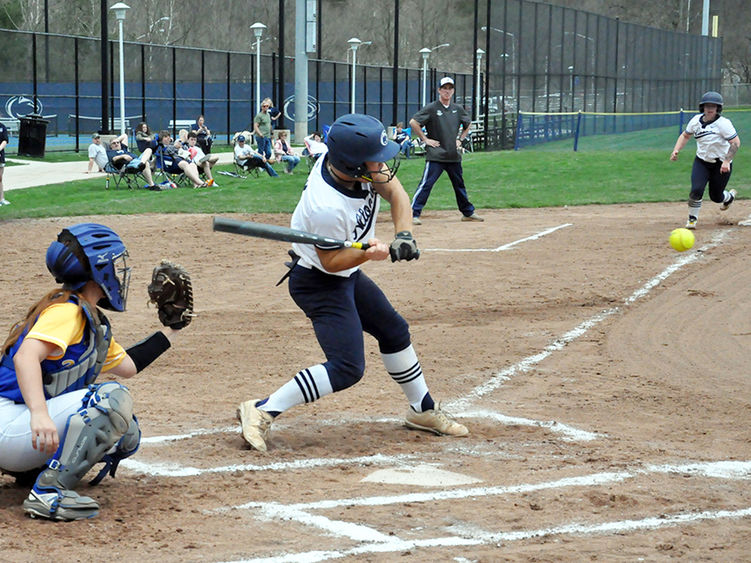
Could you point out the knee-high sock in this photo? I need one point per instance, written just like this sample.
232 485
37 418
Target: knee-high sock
307 386
694 206
405 369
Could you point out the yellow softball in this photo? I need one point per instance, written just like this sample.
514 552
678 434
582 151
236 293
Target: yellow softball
681 239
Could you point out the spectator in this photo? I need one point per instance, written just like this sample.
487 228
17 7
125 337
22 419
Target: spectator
173 163
442 120
403 139
3 144
205 140
203 161
284 153
315 145
98 154
144 138
248 158
119 156
262 130
274 112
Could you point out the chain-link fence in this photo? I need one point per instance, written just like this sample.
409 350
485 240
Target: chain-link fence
538 58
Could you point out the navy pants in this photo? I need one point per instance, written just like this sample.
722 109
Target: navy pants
340 310
429 177
704 172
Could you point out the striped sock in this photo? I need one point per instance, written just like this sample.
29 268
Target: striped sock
307 386
694 206
405 369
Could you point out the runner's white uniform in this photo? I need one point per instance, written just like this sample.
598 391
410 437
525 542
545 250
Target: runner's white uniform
713 139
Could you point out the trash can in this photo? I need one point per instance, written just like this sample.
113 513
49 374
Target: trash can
32 135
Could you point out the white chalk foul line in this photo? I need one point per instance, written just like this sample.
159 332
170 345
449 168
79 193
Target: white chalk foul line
377 542
503 246
528 363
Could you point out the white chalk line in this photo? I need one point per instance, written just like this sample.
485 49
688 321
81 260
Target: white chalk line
503 246
527 364
378 542
474 537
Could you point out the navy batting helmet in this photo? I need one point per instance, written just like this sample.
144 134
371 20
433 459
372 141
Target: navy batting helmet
711 98
355 139
89 251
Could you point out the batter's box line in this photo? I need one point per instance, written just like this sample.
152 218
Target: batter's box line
377 542
568 433
503 246
469 537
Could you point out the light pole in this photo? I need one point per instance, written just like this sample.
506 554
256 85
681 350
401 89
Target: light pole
425 52
354 43
258 28
120 10
479 54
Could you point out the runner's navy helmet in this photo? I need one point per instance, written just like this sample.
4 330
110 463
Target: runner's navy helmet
89 251
355 139
711 98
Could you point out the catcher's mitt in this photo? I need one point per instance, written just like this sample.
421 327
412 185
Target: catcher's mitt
172 292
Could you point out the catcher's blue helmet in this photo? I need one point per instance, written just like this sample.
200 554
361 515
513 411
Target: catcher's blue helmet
711 98
355 139
89 251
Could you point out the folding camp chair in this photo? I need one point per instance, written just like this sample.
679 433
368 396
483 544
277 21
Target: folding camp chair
131 177
246 168
166 170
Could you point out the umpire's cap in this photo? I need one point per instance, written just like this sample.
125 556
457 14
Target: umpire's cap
711 98
355 139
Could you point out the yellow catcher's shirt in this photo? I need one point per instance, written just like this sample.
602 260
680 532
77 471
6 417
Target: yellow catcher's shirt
62 324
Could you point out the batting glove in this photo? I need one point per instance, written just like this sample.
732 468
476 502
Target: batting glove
404 247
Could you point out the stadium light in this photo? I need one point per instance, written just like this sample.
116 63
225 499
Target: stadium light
354 43
258 28
121 9
425 52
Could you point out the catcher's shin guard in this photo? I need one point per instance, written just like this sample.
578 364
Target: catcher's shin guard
105 417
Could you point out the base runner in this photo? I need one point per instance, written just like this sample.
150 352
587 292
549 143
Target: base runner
341 200
716 144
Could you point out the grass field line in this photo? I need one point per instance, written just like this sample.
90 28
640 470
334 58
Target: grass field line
503 246
374 541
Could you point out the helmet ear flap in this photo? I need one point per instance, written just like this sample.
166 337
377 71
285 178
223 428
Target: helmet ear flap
65 266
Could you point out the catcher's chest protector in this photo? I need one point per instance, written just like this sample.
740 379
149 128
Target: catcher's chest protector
62 377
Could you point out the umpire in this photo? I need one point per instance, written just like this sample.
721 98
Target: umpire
442 120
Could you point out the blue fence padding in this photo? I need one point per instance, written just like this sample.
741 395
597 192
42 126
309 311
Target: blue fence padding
58 98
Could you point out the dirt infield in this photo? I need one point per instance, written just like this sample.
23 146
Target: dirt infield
603 376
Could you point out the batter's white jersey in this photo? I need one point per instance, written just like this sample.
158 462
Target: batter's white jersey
325 208
712 139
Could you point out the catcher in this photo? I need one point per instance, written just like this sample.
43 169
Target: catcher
56 422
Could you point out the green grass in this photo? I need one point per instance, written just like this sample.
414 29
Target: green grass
496 180
659 138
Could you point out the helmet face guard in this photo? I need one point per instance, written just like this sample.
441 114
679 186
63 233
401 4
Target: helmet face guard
89 251
355 140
